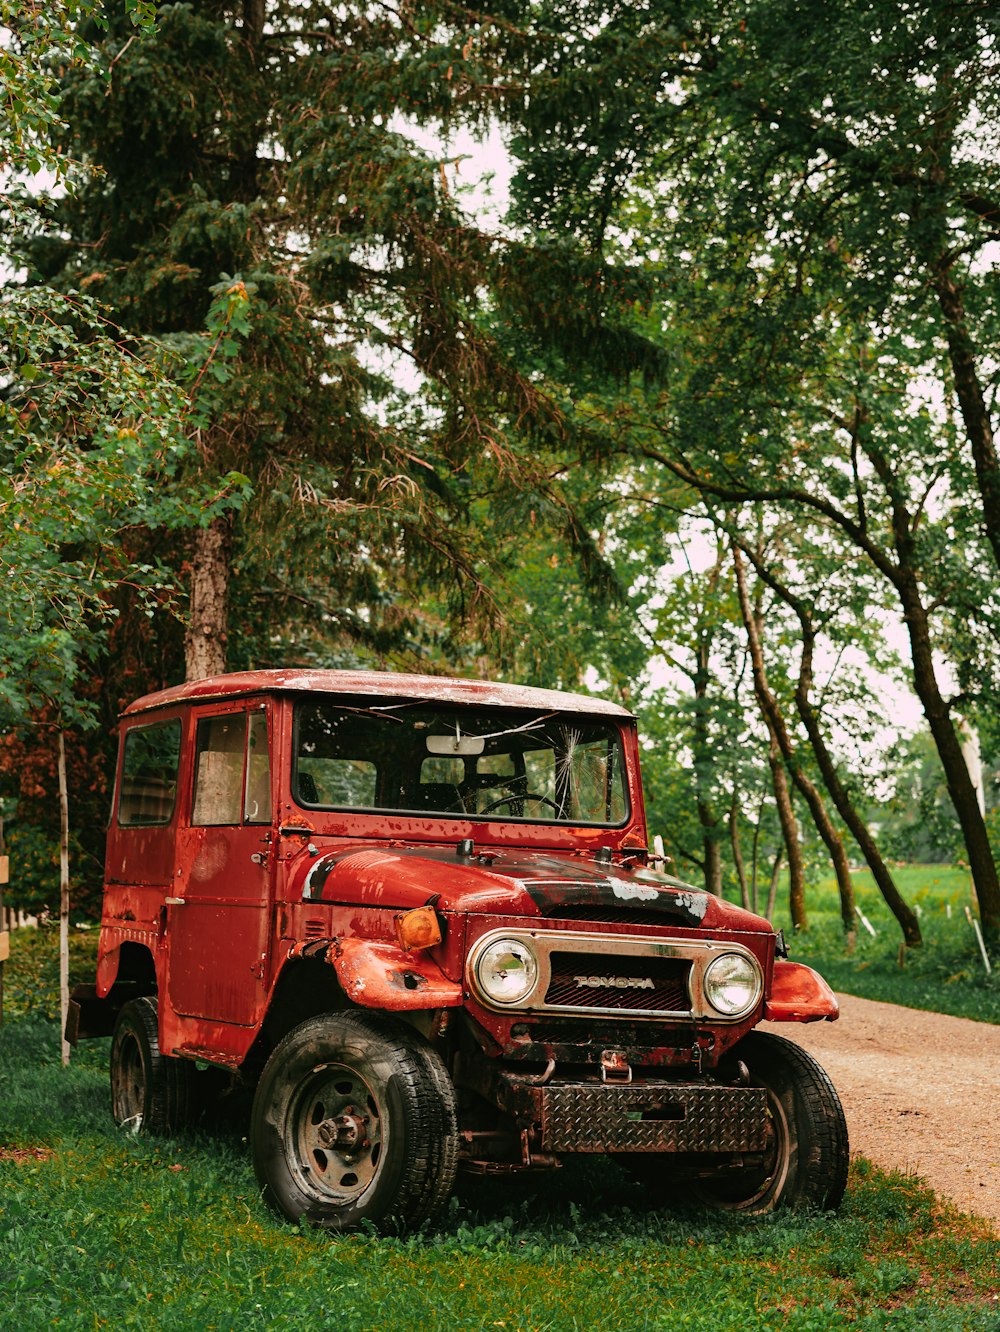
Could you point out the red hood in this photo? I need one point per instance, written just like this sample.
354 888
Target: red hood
514 883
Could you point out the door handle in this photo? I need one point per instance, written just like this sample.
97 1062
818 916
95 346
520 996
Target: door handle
174 901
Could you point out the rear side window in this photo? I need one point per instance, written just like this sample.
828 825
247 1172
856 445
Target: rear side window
149 775
218 774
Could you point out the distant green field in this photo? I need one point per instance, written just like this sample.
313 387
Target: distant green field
946 975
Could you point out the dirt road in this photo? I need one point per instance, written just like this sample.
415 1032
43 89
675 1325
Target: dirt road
921 1092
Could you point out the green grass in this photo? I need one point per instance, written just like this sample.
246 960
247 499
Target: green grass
945 975
100 1229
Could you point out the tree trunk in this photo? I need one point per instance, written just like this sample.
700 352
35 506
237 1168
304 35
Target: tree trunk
755 858
734 839
772 891
207 631
845 807
960 785
775 720
63 899
707 816
972 403
713 859
907 919
901 573
790 835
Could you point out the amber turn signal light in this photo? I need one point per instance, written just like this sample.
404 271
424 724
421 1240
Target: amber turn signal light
419 928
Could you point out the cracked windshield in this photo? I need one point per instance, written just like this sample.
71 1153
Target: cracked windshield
482 763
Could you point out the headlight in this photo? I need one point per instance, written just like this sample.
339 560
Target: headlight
506 971
733 984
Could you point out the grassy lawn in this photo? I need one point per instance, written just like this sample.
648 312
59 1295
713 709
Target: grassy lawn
99 1229
946 975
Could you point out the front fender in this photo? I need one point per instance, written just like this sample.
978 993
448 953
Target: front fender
382 975
799 994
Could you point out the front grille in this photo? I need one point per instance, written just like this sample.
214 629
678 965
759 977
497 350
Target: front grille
662 987
650 978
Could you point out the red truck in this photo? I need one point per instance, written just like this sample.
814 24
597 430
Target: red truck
418 918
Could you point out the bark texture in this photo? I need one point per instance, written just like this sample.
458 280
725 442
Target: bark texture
972 404
961 788
790 836
208 624
775 720
843 804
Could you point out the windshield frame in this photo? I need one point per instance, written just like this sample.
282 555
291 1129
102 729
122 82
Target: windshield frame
503 721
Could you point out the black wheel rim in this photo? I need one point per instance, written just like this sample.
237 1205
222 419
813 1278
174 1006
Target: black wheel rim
335 1134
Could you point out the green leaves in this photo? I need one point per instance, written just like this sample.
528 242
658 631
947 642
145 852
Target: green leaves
93 439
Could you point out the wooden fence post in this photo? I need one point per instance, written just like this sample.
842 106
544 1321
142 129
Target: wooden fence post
63 900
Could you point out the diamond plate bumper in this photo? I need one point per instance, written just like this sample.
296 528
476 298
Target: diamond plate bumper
649 1117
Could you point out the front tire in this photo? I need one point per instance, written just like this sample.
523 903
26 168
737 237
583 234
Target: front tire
354 1120
807 1153
150 1092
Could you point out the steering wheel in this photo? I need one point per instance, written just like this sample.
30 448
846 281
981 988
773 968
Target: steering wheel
519 800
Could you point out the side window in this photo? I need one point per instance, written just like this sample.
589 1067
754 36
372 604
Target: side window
338 782
257 800
218 773
149 775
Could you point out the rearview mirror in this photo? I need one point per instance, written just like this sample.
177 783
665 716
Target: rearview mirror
466 745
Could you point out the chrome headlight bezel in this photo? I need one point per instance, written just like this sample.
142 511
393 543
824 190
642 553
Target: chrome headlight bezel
736 972
487 964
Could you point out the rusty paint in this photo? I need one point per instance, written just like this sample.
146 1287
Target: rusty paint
515 881
234 916
377 684
382 975
799 994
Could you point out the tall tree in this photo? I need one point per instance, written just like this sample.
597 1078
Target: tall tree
267 149
806 616
814 193
778 729
91 425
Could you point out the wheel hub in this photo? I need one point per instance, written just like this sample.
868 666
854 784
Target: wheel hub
346 1132
335 1132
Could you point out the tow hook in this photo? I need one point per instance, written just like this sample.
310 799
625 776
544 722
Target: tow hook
615 1067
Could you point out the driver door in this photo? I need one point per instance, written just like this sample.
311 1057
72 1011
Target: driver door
218 921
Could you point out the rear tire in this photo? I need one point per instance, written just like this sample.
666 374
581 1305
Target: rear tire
150 1092
354 1121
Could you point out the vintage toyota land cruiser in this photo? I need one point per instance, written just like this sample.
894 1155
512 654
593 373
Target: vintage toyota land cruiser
419 917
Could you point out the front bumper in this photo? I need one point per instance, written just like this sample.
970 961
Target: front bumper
649 1116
